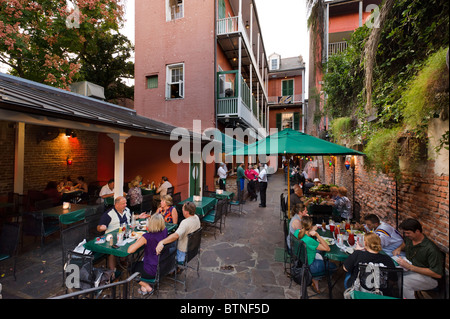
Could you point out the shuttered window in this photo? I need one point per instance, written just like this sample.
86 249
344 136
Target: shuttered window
287 87
152 82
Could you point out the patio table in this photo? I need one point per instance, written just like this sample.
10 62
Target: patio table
105 248
59 210
225 195
336 254
146 191
202 207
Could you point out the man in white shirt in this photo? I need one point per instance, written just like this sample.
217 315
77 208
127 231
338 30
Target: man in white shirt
262 179
222 172
107 190
164 186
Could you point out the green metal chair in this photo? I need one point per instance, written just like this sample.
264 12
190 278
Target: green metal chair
167 264
9 242
193 250
72 217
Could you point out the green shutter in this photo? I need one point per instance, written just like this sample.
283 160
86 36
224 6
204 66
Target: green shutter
287 87
152 82
278 117
222 9
296 121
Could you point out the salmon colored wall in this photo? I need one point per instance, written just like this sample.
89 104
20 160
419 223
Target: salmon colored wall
222 60
158 43
273 115
348 22
149 158
275 86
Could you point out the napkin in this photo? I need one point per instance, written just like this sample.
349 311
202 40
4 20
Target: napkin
81 250
124 242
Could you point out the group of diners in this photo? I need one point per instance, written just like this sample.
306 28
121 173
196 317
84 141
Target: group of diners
412 250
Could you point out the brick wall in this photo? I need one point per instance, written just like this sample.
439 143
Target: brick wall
7 136
46 160
422 195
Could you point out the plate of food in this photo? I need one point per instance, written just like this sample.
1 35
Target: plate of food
136 234
330 241
141 227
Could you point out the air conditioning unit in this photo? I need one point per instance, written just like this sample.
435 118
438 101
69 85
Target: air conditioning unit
88 89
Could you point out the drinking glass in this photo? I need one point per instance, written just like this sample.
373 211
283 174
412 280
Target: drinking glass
351 239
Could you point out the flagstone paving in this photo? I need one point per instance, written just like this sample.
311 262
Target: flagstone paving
239 264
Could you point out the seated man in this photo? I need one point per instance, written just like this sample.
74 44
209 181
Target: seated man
390 237
107 190
189 224
297 197
112 218
424 256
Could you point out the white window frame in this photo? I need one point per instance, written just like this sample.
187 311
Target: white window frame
276 66
284 120
170 82
169 16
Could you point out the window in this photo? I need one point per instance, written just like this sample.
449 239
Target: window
152 82
175 81
287 87
274 64
174 9
288 120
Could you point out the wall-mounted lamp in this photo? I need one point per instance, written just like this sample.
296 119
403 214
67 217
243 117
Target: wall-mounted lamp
247 26
69 160
70 133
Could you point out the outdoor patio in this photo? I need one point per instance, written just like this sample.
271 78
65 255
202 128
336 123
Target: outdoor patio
244 262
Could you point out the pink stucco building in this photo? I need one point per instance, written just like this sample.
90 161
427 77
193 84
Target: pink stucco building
202 60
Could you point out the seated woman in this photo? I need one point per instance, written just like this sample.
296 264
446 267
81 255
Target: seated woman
135 195
343 204
81 184
51 190
156 232
315 261
299 210
166 209
372 246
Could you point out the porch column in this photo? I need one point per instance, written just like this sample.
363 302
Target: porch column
119 152
19 157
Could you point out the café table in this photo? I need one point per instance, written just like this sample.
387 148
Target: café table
202 207
106 248
69 196
146 191
335 254
66 216
121 251
225 195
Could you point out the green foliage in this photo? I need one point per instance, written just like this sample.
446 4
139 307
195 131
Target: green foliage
44 40
428 93
106 62
413 32
341 128
383 152
343 80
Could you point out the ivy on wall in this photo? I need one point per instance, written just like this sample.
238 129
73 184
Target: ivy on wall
410 84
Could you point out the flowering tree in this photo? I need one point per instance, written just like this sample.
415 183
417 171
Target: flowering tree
44 40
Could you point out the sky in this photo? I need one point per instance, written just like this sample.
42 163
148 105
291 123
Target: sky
283 25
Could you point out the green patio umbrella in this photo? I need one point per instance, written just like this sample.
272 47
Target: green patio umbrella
291 142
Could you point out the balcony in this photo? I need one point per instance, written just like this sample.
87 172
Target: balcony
337 47
288 99
235 101
229 32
